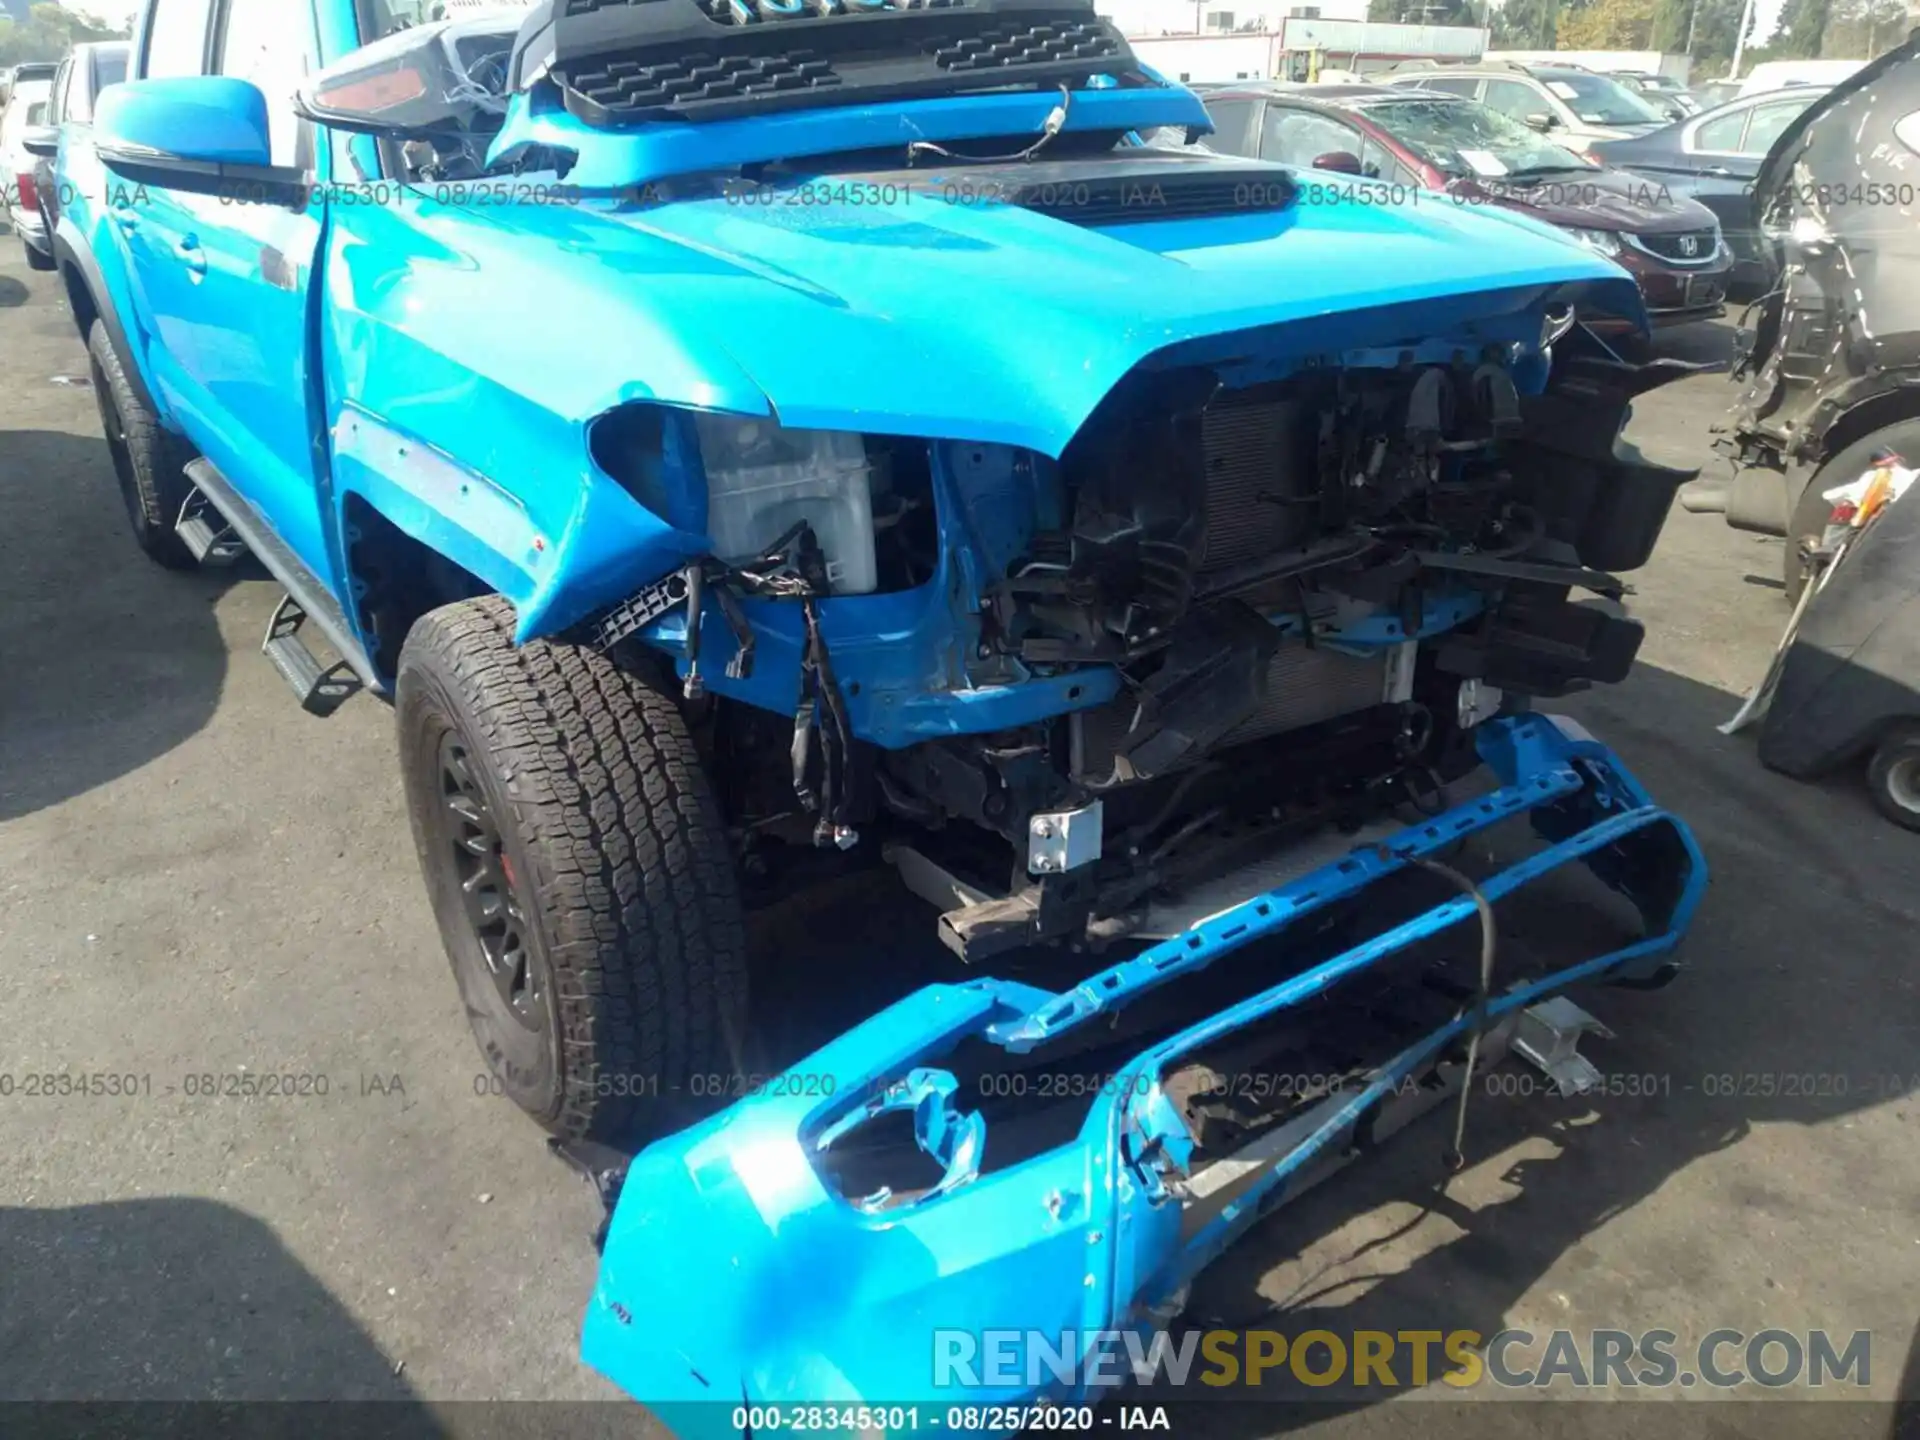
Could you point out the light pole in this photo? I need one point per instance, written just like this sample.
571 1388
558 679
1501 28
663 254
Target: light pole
1740 39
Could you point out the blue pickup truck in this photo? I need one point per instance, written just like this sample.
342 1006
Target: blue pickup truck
746 439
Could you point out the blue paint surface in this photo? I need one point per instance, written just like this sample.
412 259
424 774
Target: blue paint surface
734 1271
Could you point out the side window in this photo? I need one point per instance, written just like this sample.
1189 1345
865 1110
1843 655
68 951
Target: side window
1377 161
1722 134
261 41
177 38
109 68
1511 97
1297 137
1462 85
1768 122
1230 121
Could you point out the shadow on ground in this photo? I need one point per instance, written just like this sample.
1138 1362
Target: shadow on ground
91 1309
110 660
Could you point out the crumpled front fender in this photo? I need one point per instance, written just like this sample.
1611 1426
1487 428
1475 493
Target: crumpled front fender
735 1270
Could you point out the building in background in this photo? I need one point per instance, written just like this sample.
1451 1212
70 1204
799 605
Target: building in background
1304 48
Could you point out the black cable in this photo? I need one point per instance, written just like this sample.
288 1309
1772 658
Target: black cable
1056 122
1455 1158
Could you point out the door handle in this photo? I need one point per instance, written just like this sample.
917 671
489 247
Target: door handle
191 255
1719 172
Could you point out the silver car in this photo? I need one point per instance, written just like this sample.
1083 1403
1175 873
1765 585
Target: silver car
1576 107
26 110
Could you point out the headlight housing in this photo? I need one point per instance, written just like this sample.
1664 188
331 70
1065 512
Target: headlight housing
1604 241
763 479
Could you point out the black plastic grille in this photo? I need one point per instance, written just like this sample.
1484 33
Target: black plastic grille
628 85
621 62
1037 44
1675 246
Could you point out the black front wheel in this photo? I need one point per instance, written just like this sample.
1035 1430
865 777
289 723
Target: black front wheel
580 873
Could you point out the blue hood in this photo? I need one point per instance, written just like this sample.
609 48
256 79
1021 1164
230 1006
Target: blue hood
859 303
902 312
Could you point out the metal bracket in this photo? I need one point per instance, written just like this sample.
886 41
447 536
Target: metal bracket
207 534
321 689
1549 1036
1063 840
640 610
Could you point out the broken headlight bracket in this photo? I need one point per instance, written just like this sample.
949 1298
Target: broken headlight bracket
792 568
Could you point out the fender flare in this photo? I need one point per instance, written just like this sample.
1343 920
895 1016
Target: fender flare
70 247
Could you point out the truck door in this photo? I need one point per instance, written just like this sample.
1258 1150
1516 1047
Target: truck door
226 279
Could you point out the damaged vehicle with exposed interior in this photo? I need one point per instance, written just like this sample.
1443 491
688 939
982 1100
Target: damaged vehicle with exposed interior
748 439
1830 366
1830 357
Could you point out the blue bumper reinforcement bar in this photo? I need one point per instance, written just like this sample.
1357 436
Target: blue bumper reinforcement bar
735 1271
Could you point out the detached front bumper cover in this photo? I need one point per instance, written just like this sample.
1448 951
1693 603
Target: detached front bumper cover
735 1271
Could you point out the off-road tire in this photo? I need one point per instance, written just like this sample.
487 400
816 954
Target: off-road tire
1893 777
148 460
616 848
1810 514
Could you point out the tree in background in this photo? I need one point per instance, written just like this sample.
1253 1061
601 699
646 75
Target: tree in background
1802 23
1863 29
1670 22
1607 25
1715 31
48 33
1526 24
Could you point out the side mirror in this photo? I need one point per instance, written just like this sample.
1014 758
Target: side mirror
1341 162
42 142
206 134
1541 120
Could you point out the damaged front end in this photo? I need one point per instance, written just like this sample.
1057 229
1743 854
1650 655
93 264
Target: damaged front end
1832 353
1094 532
847 1234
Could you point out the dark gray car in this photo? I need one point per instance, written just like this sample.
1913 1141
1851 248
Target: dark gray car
1713 158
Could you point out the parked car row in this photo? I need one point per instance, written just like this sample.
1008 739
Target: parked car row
1435 142
1669 202
1713 158
49 107
29 93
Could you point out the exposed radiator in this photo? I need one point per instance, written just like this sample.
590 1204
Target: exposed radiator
1258 453
1303 687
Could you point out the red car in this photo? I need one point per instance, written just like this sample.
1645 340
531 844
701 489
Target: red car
1434 142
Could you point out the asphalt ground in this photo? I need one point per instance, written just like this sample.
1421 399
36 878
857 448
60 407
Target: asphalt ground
198 881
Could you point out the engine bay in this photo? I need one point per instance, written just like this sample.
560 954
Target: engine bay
1312 590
